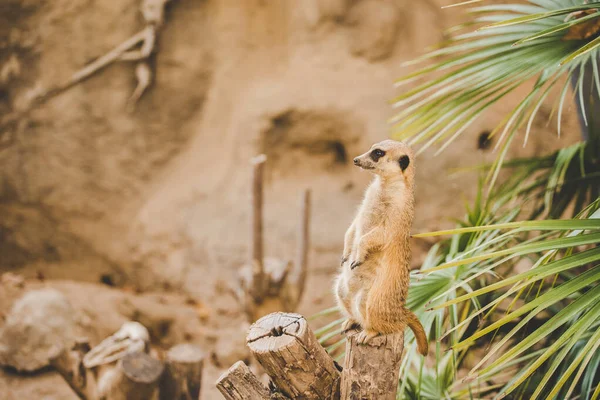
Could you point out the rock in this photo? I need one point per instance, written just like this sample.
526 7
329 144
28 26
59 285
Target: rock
39 326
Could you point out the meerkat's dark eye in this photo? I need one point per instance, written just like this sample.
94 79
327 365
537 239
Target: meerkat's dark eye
404 161
377 154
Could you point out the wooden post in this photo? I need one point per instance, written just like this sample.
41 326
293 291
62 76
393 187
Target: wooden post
182 378
135 378
297 277
371 371
267 285
239 383
69 364
289 352
256 252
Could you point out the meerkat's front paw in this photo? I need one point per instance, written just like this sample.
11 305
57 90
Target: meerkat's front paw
365 336
359 259
349 325
344 259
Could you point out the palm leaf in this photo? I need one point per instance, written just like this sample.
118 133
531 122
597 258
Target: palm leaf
524 41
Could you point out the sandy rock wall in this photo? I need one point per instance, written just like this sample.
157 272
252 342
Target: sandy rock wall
157 197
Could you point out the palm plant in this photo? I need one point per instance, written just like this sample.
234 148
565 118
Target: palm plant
512 295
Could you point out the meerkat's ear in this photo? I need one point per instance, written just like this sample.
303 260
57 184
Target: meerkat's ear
404 161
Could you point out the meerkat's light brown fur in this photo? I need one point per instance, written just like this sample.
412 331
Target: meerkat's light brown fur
373 284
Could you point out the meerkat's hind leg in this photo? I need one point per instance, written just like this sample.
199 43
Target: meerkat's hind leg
350 325
366 335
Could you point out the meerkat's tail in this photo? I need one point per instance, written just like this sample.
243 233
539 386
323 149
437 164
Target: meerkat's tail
415 325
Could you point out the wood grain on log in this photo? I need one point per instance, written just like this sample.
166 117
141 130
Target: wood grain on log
182 378
239 383
291 355
371 371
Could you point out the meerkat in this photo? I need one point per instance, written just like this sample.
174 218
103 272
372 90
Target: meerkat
372 286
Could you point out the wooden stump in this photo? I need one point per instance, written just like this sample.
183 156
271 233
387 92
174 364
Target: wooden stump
267 285
136 377
289 352
239 383
371 371
182 378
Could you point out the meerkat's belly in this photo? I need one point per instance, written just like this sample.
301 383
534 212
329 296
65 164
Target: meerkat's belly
353 287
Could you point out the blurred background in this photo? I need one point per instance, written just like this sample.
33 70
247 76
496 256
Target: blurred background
133 200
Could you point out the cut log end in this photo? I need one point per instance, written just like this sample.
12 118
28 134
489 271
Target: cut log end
141 369
185 354
239 383
276 331
259 159
286 348
182 379
135 377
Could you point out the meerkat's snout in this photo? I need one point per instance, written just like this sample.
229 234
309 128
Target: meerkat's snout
363 162
370 159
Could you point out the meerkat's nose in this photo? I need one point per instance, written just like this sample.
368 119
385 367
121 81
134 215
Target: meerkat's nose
356 161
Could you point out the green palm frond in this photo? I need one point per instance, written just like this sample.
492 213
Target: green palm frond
516 43
571 275
566 179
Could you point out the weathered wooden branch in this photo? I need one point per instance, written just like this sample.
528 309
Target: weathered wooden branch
297 277
132 337
289 352
256 253
267 284
371 371
239 383
69 365
99 63
182 378
136 378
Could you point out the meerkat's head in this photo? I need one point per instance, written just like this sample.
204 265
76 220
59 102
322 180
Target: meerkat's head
388 159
